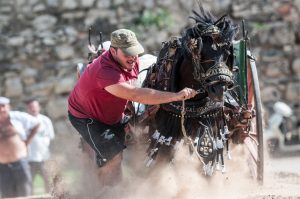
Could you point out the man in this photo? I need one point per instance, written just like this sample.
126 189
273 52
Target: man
16 131
38 150
99 98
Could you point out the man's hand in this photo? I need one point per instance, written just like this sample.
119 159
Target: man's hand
32 134
186 93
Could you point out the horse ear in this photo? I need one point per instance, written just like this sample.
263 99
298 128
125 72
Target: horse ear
220 20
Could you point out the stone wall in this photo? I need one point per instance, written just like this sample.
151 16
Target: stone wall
41 42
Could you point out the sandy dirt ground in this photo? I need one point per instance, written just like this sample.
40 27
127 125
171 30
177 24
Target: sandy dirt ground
183 179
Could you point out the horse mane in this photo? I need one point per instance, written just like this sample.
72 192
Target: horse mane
205 22
205 19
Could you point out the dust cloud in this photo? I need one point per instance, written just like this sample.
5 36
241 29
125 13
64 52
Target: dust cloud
181 179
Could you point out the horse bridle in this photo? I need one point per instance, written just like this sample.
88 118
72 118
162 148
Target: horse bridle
217 69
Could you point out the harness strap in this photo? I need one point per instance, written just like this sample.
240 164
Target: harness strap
186 138
193 109
161 73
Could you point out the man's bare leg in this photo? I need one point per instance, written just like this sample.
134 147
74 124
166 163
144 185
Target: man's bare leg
111 172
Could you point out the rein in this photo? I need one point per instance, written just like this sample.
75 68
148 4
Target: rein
186 138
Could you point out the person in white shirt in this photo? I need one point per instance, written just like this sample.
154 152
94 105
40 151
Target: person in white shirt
38 150
17 130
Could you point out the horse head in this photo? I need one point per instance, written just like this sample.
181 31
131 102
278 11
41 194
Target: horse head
208 46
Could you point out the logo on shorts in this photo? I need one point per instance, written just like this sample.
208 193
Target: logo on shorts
106 134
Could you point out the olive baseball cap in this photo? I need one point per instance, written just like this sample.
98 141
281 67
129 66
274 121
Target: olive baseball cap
126 40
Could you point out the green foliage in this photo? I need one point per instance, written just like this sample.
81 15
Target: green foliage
38 185
159 17
261 26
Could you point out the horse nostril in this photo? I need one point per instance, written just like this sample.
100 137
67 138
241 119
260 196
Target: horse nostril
216 92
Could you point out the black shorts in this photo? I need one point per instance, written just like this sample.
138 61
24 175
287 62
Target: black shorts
106 140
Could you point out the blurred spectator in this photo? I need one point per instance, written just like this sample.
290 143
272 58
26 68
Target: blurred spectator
38 151
16 131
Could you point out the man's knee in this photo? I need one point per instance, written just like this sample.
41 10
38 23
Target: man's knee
114 163
116 160
111 172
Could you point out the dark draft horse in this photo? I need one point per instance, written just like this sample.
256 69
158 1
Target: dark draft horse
201 59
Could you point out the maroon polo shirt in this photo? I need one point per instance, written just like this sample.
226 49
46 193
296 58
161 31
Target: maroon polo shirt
89 99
